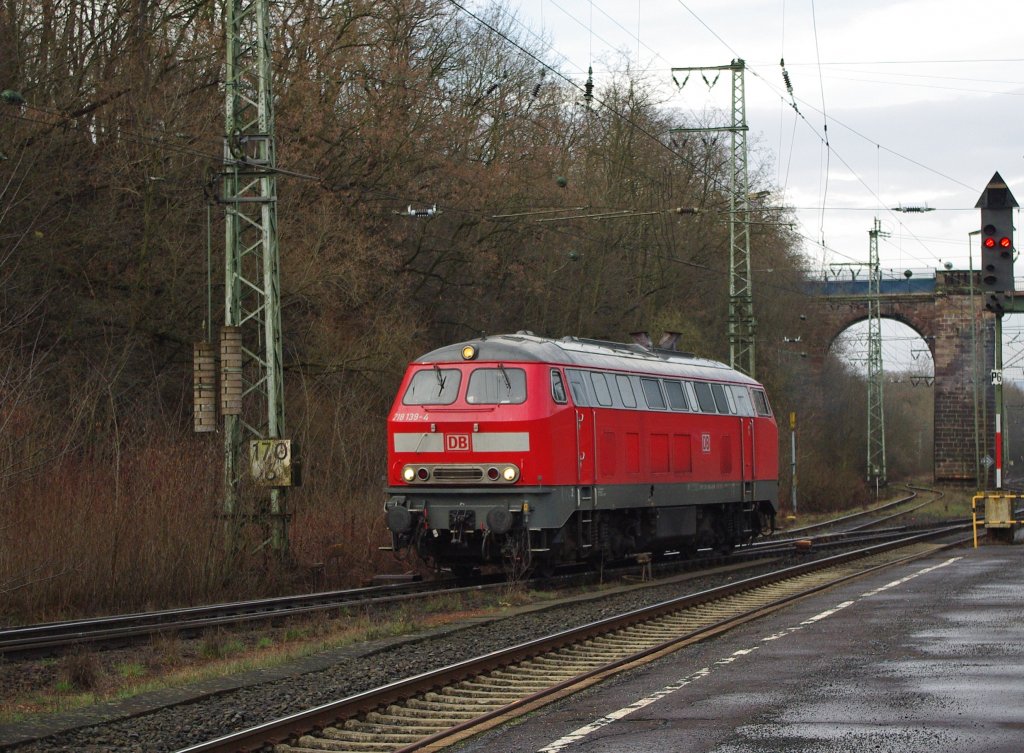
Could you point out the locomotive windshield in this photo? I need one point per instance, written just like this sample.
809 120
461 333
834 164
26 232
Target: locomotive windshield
434 386
496 386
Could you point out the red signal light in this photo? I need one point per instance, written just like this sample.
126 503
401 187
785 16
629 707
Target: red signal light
989 243
1005 242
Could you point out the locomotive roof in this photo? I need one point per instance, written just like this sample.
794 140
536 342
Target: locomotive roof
594 354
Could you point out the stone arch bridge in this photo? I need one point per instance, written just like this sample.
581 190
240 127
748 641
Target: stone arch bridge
955 326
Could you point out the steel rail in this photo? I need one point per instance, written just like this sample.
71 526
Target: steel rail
854 516
44 638
40 637
293 726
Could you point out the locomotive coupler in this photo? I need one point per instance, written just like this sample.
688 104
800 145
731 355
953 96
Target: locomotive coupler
461 522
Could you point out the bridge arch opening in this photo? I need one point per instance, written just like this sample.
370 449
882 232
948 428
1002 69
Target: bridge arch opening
908 378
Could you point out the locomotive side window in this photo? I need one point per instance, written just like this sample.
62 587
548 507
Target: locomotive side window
498 386
723 399
601 391
558 388
652 393
433 387
761 403
704 397
626 390
578 388
691 396
676 395
720 401
742 397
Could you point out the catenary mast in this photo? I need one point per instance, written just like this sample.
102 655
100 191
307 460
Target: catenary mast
252 386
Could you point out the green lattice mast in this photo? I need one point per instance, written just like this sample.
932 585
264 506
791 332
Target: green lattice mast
876 472
252 386
742 325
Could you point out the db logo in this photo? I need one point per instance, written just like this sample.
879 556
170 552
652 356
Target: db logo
705 443
456 442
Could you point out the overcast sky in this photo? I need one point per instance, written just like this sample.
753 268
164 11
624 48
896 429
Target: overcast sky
932 91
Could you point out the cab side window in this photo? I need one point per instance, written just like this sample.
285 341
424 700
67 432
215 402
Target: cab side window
761 403
557 387
578 388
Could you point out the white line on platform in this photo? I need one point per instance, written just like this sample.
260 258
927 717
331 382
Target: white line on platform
574 737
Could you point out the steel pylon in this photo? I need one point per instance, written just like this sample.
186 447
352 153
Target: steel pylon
876 472
742 325
252 264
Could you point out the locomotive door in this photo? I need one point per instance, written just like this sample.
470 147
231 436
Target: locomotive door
585 533
584 446
747 456
584 428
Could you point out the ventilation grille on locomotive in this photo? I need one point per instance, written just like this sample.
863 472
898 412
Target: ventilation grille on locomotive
458 473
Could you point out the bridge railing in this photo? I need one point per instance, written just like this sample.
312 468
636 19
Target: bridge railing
853 281
855 272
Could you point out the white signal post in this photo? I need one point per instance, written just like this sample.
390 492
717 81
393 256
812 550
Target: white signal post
999 452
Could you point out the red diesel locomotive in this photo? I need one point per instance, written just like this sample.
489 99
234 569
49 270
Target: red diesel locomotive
517 449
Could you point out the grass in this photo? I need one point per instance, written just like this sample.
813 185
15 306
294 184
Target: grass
131 670
168 662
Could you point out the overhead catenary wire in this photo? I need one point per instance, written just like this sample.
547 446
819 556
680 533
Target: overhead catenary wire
830 149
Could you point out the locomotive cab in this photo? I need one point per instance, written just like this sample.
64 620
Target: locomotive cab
470 459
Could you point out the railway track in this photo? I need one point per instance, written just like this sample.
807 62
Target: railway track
44 637
49 638
436 708
861 516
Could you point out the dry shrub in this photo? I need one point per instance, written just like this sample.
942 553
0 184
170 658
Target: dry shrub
339 511
134 521
98 534
80 670
164 651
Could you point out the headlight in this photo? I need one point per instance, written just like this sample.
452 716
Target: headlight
408 473
510 474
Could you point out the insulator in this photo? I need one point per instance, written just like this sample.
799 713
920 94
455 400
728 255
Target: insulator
588 88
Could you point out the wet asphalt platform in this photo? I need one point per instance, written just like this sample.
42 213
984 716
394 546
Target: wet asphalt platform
926 657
